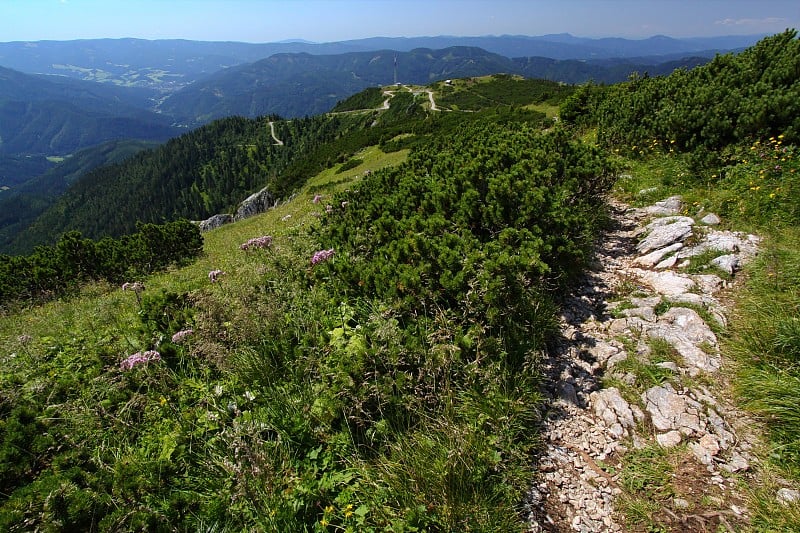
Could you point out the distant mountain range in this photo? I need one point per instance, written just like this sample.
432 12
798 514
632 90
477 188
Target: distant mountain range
294 85
170 64
192 82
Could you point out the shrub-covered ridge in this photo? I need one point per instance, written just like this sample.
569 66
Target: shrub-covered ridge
389 385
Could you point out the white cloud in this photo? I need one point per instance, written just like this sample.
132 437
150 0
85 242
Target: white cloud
751 22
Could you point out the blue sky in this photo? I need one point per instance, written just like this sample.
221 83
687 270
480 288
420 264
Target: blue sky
332 20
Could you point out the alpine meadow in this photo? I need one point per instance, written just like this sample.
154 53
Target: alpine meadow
385 346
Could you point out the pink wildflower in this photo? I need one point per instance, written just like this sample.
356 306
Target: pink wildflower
181 335
139 358
264 241
320 256
214 274
317 198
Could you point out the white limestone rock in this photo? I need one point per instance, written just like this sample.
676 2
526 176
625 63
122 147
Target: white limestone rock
684 330
666 207
611 407
669 439
788 496
665 232
666 283
672 411
729 263
655 257
705 449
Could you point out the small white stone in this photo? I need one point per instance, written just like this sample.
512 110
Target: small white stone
788 496
680 503
669 439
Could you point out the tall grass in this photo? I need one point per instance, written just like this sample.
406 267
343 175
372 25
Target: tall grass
766 342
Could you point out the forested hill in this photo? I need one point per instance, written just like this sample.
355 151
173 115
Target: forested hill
20 206
211 169
56 116
293 85
40 115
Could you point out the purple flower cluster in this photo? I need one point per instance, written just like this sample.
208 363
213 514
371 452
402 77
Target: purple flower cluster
214 275
320 256
136 287
139 358
264 241
179 337
317 198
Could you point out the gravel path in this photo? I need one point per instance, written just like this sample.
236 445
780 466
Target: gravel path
613 396
278 142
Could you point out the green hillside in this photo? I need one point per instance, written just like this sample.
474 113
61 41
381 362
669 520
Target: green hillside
22 204
213 168
368 355
52 116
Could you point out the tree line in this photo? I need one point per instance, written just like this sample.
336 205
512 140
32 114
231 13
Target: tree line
52 271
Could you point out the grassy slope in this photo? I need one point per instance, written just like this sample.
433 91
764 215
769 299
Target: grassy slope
45 342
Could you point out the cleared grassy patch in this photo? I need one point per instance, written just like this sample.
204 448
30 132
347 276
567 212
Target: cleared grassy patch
549 110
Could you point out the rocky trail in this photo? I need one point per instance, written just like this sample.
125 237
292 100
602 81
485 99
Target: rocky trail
639 434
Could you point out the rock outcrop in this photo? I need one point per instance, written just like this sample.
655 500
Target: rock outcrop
215 222
255 204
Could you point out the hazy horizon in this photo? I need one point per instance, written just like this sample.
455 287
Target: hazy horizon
320 21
